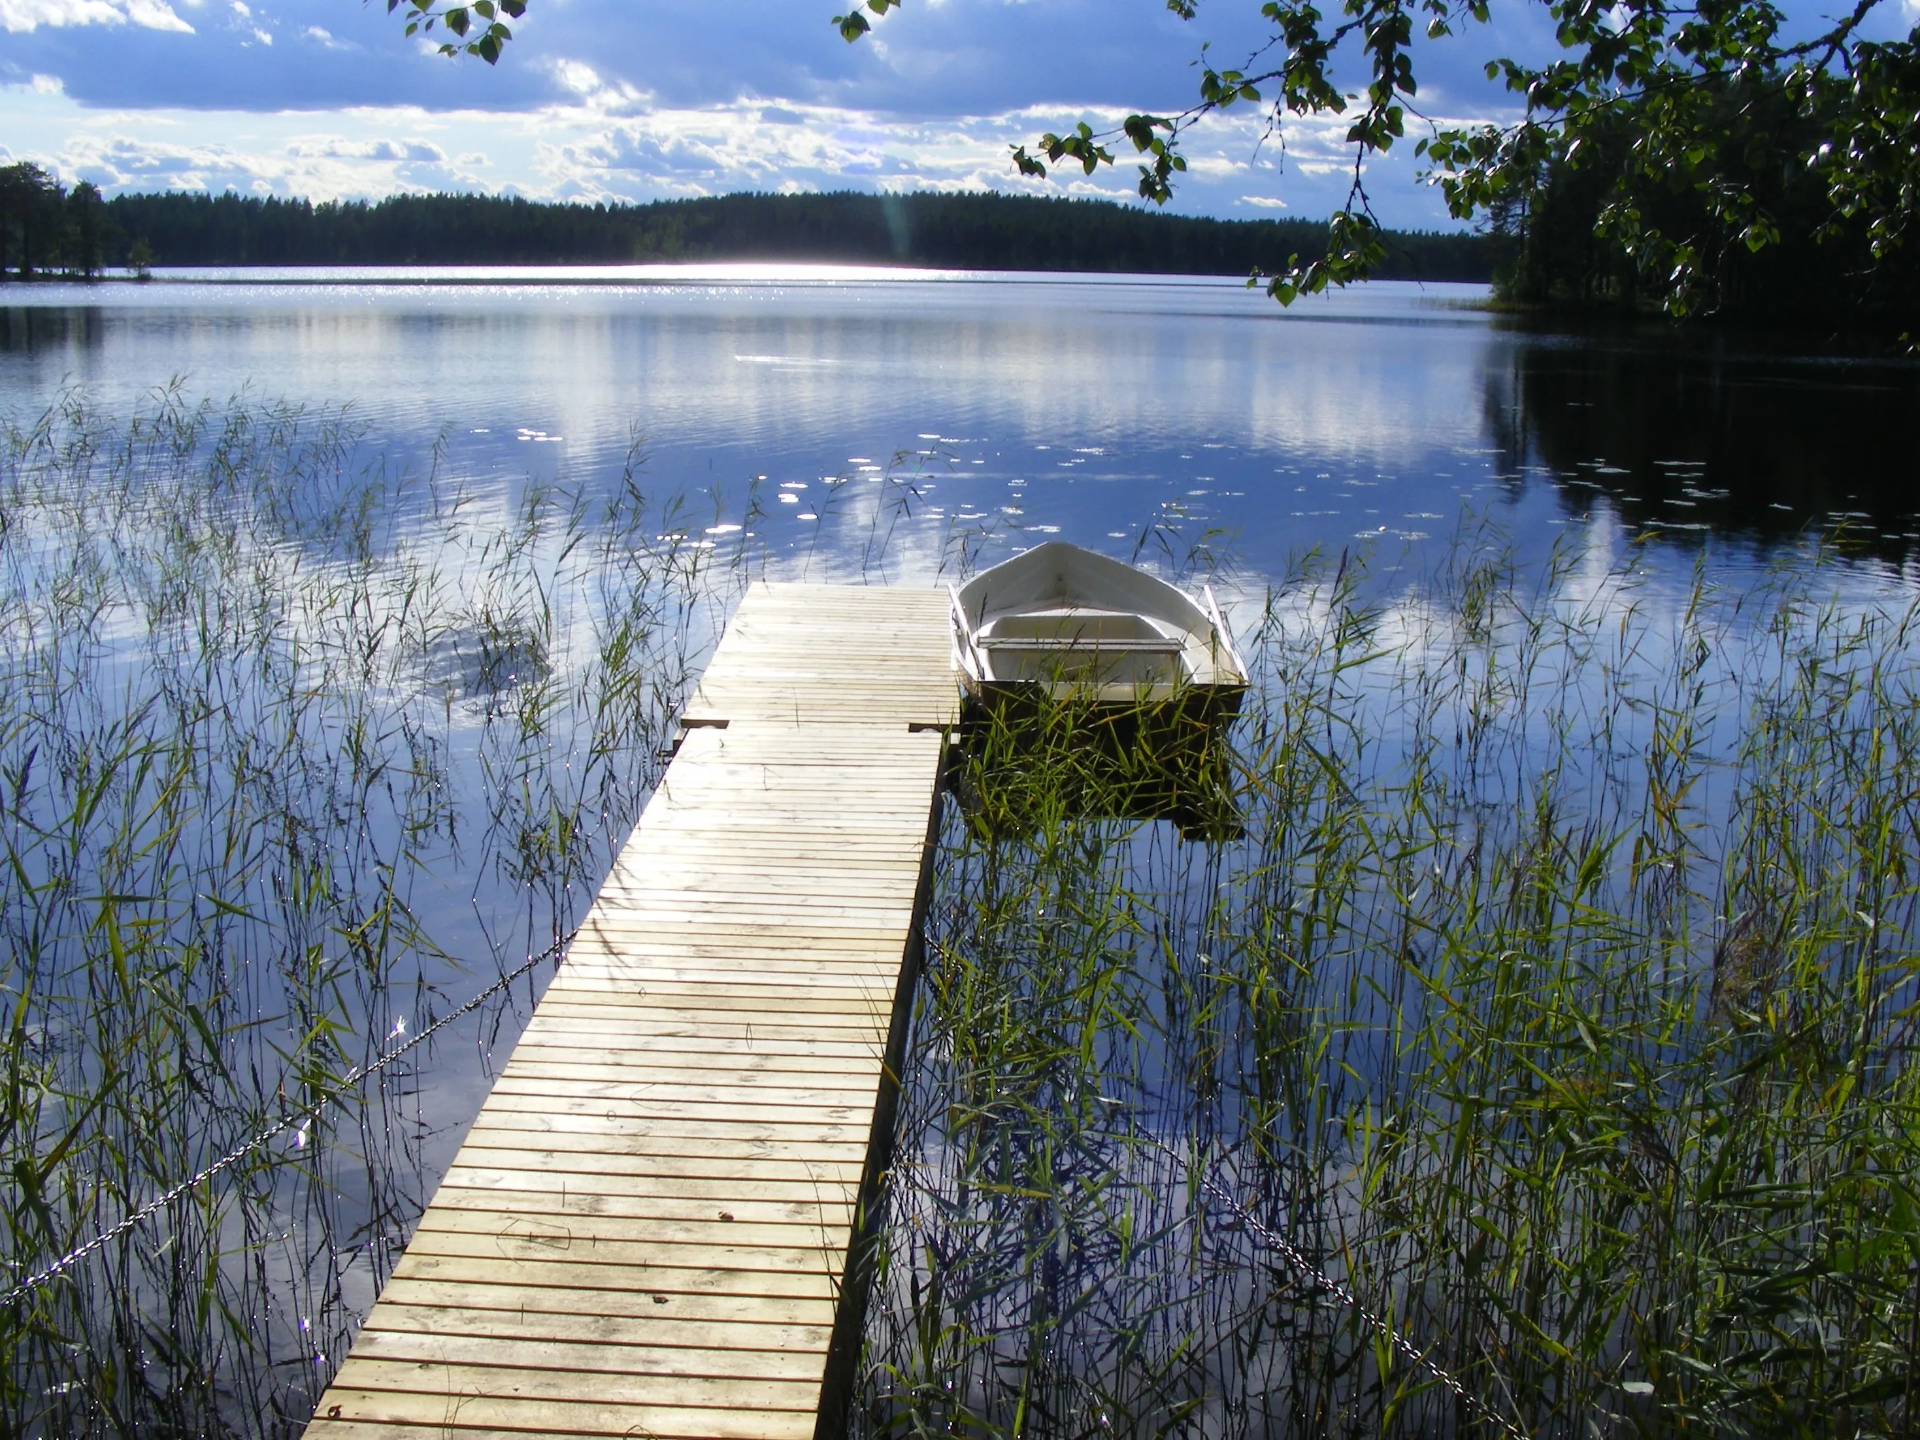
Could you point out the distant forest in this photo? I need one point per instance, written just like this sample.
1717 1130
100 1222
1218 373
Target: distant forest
966 231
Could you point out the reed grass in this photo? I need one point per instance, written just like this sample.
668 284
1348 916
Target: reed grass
1551 1015
298 749
1544 983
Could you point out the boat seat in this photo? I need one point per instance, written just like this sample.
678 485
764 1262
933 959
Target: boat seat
1160 645
1070 622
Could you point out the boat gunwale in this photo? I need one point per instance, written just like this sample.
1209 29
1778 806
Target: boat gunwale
972 647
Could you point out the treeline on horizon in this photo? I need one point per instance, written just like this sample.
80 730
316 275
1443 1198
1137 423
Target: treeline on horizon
979 230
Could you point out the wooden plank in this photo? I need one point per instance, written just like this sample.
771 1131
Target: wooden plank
646 1111
719 1222
547 1198
613 1031
537 1348
482 1382
795 1271
609 1163
599 1071
714 943
423 1317
646 1227
476 1378
744 1316
667 1024
570 1157
663 1284
646 1091
542 1051
745 981
377 1416
723 1012
856 1007
765 1136
664 1174
628 1240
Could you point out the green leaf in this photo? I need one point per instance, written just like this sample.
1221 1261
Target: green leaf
1026 164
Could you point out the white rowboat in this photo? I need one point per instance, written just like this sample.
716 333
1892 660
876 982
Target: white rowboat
1070 622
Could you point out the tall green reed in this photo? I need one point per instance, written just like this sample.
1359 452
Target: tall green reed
1555 1002
298 750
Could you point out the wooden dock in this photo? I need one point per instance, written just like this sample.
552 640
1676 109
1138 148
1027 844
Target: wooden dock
647 1230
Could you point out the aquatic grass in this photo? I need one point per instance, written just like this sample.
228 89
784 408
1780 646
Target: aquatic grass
299 749
1550 1016
1552 997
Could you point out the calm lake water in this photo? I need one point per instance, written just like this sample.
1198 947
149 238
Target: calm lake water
820 422
1098 409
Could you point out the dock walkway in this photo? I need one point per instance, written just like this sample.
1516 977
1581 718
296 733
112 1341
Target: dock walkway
647 1228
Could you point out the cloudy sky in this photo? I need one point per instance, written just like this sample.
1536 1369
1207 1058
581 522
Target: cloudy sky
644 99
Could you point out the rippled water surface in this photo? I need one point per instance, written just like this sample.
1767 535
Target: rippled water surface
1093 408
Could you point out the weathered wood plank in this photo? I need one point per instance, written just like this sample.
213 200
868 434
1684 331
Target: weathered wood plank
458 1422
599 1070
536 1244
634 1160
740 1315
749 1068
561 1201
614 1031
593 1355
420 1317
661 1283
812 1141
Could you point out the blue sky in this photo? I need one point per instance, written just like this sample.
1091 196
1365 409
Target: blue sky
641 99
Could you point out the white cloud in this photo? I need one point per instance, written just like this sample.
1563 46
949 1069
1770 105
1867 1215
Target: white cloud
754 145
18 16
149 164
320 170
630 149
335 147
325 38
580 78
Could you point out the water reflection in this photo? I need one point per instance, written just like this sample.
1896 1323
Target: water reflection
1137 416
1705 438
29 329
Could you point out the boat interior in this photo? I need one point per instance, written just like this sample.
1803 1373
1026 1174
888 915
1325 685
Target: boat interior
1060 615
1082 645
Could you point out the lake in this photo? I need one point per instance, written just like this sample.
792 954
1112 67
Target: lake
348 612
1098 409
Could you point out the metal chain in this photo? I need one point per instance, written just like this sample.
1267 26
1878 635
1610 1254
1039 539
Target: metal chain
279 1127
1320 1280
